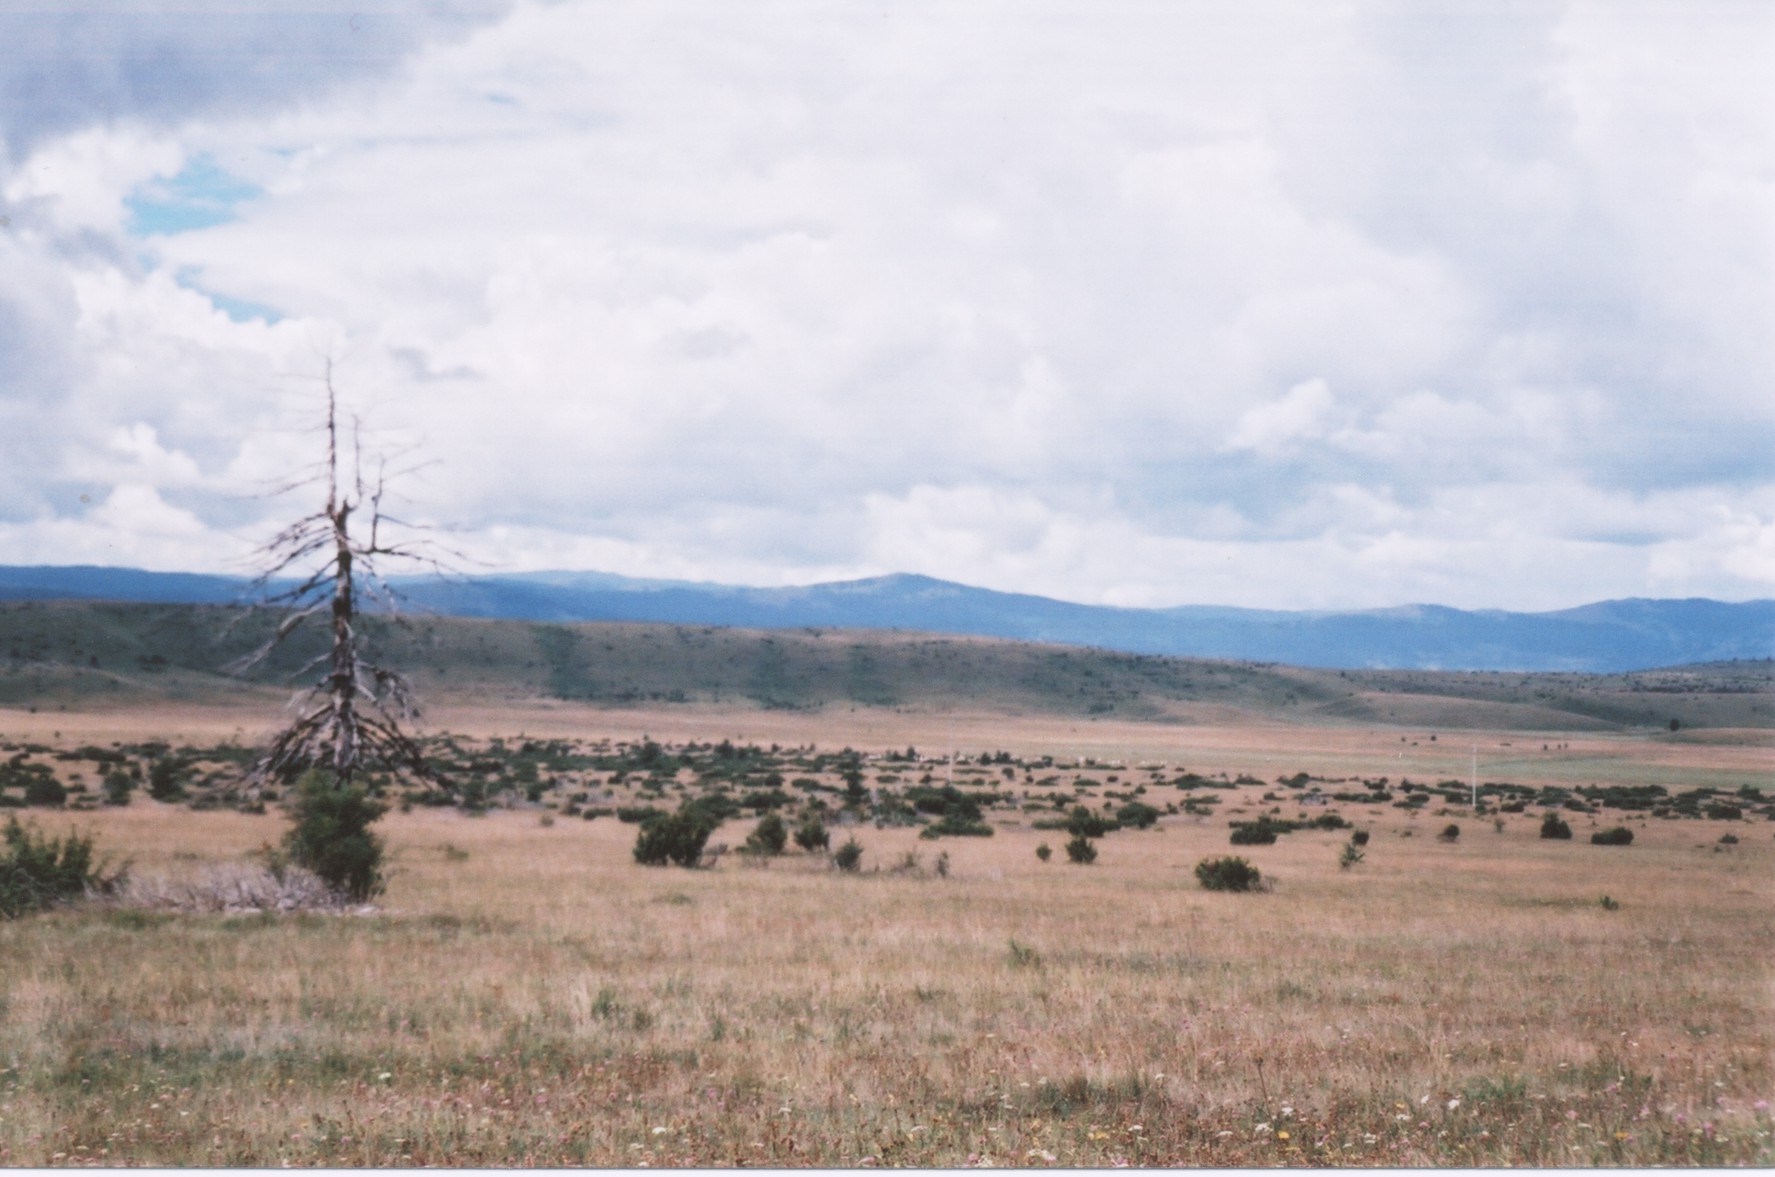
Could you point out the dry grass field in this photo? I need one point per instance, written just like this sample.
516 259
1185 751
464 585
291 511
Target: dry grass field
525 994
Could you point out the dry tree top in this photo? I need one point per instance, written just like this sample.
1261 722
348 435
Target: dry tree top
352 717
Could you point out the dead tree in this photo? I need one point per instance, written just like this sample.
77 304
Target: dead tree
351 718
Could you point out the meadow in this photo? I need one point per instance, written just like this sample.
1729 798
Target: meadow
524 993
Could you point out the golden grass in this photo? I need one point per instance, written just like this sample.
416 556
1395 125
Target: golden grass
545 1001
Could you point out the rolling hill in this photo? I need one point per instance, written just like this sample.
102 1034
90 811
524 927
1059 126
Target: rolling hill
84 653
1607 637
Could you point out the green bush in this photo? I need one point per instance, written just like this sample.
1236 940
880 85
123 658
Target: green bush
1082 823
1138 814
1257 833
1552 826
118 786
37 871
769 837
1350 856
1081 851
1044 852
1359 838
811 834
1619 836
166 779
1228 874
330 835
1450 833
675 837
849 857
45 791
954 825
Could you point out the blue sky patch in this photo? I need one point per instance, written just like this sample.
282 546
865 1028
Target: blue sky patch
200 196
239 309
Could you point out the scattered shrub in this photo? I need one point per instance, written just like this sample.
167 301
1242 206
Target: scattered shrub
1082 823
1081 851
1044 852
956 825
674 837
1137 814
1619 836
1228 874
166 779
1359 838
848 857
1450 833
811 834
118 786
1350 856
1257 833
1552 826
37 871
1728 839
45 791
1610 904
769 837
330 836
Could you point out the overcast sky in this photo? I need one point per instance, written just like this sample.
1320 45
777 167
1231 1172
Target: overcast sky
1294 306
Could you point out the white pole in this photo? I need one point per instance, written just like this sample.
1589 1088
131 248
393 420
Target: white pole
1476 778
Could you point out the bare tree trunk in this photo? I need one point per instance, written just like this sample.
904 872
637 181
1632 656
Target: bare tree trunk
352 721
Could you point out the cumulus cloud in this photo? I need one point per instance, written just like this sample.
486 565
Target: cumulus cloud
1272 304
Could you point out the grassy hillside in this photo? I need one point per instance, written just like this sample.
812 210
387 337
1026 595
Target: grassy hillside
75 653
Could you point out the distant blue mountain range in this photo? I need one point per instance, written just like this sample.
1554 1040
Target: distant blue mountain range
1606 637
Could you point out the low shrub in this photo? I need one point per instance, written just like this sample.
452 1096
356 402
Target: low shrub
1257 833
37 871
330 835
674 837
1359 838
1228 874
1350 855
1138 815
1450 833
955 825
1552 826
811 834
1081 851
769 838
1083 823
1619 836
46 792
166 779
848 857
1045 851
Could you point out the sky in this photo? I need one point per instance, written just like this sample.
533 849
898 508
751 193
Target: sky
1299 306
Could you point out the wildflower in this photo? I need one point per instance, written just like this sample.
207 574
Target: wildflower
1453 1104
1282 1135
1041 1154
661 1130
1761 1105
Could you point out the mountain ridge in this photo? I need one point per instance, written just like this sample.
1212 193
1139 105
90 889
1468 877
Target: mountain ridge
1633 633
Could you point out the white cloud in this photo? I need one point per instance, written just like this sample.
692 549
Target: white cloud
1119 303
1279 426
